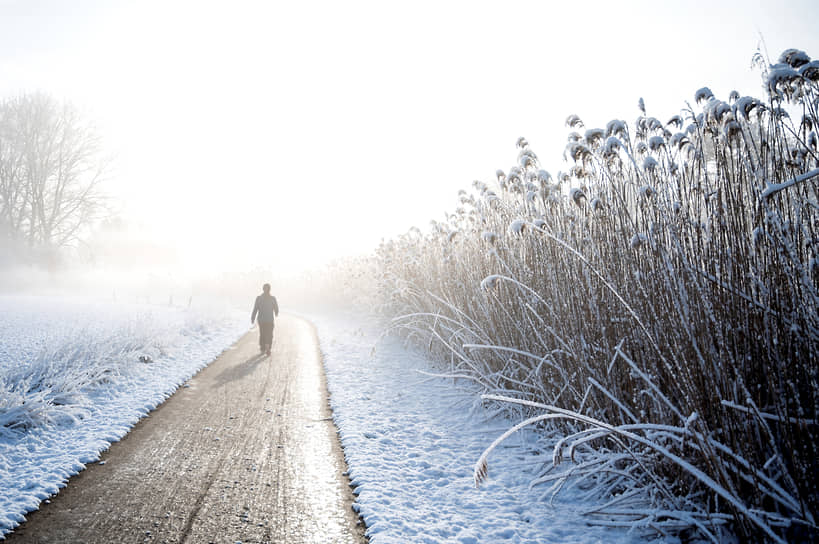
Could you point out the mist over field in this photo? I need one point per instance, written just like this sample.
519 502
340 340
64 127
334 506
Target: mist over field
280 137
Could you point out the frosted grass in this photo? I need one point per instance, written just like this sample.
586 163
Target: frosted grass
76 375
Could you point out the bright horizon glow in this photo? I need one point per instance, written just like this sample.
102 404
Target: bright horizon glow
286 134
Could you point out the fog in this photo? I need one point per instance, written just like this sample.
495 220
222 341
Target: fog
254 141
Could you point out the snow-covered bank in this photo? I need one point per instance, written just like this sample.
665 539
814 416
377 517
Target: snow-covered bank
411 441
76 375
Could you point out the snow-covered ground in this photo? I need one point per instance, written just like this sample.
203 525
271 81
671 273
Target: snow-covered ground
76 375
412 440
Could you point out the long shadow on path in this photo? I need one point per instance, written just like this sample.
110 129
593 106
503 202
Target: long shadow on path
240 371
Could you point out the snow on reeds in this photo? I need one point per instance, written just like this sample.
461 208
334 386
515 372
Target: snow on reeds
656 305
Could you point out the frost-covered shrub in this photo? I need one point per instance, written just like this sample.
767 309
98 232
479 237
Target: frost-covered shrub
657 303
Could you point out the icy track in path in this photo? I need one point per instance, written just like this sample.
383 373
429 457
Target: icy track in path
76 375
411 442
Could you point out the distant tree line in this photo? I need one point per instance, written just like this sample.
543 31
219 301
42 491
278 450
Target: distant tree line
50 172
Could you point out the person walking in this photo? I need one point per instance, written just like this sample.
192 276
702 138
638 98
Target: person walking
266 308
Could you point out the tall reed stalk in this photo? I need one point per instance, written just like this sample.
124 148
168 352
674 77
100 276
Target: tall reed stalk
656 304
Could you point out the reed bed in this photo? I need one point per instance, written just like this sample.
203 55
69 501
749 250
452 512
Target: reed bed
655 305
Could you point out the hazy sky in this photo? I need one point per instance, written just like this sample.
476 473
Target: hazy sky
289 132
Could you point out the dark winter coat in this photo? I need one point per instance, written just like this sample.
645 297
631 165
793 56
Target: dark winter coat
266 308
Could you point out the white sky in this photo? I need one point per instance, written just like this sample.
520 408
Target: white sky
255 133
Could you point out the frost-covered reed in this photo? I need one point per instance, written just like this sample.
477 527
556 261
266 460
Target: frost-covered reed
656 304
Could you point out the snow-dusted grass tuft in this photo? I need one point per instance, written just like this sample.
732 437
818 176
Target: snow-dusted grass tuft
75 375
55 386
656 306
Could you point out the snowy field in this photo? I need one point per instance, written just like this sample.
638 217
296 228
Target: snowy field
412 440
76 375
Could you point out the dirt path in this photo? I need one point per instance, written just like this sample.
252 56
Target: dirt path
246 452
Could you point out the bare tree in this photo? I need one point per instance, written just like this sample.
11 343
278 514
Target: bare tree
50 171
12 185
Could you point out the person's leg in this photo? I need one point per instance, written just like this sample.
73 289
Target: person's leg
265 336
261 337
